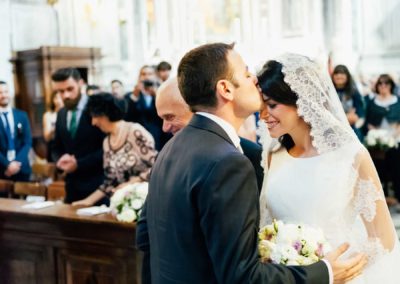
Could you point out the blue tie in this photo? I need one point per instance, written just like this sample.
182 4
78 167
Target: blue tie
10 139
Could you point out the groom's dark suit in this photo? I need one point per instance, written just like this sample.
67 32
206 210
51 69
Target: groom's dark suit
202 214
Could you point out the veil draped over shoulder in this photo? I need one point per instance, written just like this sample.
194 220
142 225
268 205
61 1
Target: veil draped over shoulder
318 104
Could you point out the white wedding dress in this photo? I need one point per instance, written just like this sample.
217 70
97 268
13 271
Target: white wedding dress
337 190
324 192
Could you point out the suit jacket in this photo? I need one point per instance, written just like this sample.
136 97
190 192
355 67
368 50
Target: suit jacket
148 118
202 215
87 146
253 152
22 142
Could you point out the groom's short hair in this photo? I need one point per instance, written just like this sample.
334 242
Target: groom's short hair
200 70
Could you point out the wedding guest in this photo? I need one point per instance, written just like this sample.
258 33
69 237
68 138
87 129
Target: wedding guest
128 148
383 112
49 122
117 89
15 139
350 98
163 71
92 90
142 108
77 144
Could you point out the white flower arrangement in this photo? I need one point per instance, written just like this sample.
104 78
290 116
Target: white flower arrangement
127 202
380 139
291 244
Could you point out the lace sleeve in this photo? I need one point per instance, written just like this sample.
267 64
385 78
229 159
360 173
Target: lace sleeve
370 204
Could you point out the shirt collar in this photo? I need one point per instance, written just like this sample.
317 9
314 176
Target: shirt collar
5 109
82 102
226 126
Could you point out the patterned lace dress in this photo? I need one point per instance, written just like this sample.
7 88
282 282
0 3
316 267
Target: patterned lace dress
132 155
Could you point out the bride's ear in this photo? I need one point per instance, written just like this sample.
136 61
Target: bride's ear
224 89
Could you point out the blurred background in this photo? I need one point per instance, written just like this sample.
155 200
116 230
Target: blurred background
362 34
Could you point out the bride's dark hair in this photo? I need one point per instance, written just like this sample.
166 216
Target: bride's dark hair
272 84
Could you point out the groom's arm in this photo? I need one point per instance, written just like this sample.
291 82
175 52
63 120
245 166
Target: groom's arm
229 218
143 244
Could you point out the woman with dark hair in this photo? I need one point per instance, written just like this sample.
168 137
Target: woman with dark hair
383 112
317 172
128 148
350 98
49 121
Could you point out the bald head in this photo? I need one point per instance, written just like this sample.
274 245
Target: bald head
171 107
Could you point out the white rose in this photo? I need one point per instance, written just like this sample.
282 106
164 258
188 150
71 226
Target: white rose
117 199
137 204
127 215
371 140
142 189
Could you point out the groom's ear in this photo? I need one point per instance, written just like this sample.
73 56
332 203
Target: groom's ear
224 89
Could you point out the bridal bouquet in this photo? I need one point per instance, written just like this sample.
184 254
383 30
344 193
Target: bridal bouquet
291 244
379 139
127 202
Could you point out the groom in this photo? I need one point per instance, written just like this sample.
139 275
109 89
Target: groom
202 207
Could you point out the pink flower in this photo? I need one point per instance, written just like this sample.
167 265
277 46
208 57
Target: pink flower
297 246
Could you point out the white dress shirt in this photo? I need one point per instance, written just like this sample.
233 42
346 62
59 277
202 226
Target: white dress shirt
10 118
226 126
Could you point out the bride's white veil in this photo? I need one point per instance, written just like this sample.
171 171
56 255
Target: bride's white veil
319 105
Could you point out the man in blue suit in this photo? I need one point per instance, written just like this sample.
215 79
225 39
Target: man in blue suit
15 139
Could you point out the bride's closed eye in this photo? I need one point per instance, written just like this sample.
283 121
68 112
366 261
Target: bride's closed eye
272 105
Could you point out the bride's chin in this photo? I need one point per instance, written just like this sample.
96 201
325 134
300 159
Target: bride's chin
272 134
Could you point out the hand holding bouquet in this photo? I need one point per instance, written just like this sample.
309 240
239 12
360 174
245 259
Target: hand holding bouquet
291 244
127 202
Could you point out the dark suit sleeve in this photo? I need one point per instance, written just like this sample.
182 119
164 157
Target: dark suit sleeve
3 161
57 149
229 218
143 244
26 138
358 104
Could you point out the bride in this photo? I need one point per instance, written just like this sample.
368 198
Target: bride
316 170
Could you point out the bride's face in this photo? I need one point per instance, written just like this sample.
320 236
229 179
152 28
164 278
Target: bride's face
281 119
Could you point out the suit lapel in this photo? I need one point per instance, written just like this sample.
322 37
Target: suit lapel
83 121
62 114
202 122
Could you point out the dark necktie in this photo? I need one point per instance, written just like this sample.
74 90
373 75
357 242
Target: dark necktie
73 123
10 139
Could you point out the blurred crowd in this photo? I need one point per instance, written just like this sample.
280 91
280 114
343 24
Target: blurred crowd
102 138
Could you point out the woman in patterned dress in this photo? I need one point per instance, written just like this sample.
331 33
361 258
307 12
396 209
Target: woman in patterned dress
129 151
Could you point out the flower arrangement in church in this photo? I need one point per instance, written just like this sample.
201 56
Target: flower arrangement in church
291 244
127 202
380 139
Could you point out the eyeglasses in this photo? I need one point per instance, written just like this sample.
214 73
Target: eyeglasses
383 83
